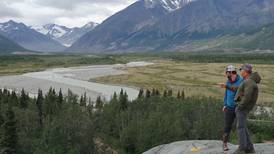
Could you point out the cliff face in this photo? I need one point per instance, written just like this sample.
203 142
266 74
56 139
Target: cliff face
204 147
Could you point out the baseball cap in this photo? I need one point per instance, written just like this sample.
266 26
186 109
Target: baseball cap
230 68
246 67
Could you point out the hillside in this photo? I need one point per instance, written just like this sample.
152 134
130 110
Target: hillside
157 25
7 46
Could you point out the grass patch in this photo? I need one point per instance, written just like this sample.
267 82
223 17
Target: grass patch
195 78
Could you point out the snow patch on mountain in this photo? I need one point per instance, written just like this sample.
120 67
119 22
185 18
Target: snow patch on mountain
52 30
90 25
169 5
63 34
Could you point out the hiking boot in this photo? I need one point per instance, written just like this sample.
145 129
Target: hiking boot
225 140
225 147
239 151
250 150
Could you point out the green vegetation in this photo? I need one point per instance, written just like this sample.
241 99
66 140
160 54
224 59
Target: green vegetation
49 124
56 124
15 64
19 64
196 78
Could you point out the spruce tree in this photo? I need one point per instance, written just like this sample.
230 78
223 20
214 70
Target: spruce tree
183 95
123 101
13 99
9 139
158 92
83 100
60 99
165 93
39 104
99 103
169 93
179 95
115 97
71 98
50 104
141 93
148 93
24 99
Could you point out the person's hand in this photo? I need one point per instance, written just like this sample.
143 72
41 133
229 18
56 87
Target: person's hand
222 85
224 109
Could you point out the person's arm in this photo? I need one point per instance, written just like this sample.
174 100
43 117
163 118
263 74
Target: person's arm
231 87
247 95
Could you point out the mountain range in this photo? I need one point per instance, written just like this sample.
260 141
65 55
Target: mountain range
29 38
158 25
176 25
64 35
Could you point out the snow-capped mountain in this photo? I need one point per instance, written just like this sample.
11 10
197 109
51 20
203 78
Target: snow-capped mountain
29 38
53 30
158 25
169 5
63 34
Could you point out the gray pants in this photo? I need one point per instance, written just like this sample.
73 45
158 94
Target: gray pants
243 134
229 118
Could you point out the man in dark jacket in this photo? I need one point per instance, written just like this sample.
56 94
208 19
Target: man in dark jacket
246 99
231 87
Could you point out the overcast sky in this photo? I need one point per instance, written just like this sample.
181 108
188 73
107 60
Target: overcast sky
65 12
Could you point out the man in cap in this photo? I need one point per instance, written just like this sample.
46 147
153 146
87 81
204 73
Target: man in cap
231 86
246 99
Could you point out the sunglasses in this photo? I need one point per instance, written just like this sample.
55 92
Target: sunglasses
231 72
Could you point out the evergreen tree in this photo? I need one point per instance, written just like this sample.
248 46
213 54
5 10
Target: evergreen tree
60 99
123 101
165 93
169 93
83 100
14 99
1 124
115 97
179 95
9 139
148 93
183 95
141 93
71 98
51 106
1 93
24 99
39 104
5 96
153 92
99 103
158 92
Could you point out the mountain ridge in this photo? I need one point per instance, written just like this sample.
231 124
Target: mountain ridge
29 38
7 46
64 35
198 20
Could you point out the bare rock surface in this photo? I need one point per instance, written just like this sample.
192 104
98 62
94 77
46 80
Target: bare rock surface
205 147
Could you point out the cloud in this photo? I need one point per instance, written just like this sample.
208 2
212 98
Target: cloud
6 11
71 4
65 12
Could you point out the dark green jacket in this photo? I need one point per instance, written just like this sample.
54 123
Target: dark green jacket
247 94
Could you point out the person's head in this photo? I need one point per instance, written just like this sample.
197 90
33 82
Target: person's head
246 70
231 72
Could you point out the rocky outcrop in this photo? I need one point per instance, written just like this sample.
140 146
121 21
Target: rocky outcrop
205 147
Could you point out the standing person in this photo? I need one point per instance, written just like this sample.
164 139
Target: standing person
231 86
246 99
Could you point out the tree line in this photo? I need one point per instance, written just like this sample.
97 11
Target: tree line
53 123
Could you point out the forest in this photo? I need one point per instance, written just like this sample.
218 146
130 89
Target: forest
56 123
